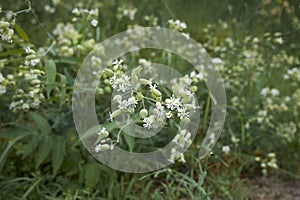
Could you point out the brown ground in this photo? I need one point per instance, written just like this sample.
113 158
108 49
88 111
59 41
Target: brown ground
273 189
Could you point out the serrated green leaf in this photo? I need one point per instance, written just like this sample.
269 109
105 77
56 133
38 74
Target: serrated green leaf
58 154
92 174
41 123
43 150
21 33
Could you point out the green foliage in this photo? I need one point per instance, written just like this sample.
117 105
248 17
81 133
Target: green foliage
255 46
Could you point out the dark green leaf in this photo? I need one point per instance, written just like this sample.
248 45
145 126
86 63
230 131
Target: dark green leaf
58 154
21 33
43 150
50 69
41 123
92 174
12 52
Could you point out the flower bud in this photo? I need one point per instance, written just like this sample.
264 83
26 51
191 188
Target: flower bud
144 81
194 88
4 24
143 113
156 92
107 89
117 98
108 72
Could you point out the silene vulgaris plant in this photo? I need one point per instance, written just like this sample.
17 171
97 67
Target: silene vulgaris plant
145 99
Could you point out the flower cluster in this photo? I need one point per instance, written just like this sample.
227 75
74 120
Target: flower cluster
181 140
125 11
177 25
6 31
30 97
91 15
269 161
145 96
69 40
103 142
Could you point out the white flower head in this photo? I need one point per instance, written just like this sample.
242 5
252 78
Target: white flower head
226 149
94 22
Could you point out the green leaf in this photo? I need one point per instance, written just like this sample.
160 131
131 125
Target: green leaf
63 82
4 154
129 141
69 77
12 52
31 145
43 150
10 133
58 154
21 33
42 123
92 174
50 69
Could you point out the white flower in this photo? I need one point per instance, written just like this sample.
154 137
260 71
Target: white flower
169 114
1 77
118 62
193 74
182 113
152 87
102 131
27 49
275 92
217 61
121 83
200 76
34 62
159 110
226 149
148 122
123 105
259 120
279 40
132 102
264 91
173 103
94 22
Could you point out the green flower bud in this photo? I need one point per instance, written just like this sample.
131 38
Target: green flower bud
4 24
104 147
10 32
108 72
106 82
144 81
156 92
116 113
107 89
143 113
30 57
158 99
139 96
105 134
186 120
194 88
100 91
